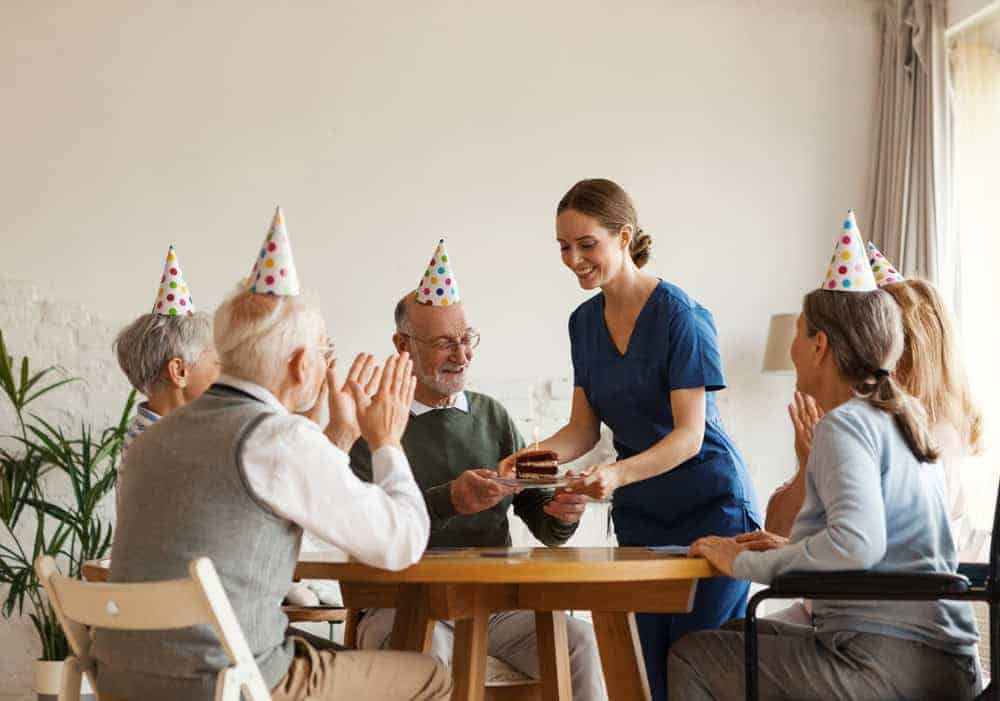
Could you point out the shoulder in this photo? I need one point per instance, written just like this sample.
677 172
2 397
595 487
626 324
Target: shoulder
288 430
587 311
854 422
483 406
677 302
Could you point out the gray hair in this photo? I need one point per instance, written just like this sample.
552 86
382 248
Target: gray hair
255 335
865 333
145 346
401 315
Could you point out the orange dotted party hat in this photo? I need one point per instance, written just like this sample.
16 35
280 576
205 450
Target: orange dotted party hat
438 287
883 270
274 269
173 298
849 269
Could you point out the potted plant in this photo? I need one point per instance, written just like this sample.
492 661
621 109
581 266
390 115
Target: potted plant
72 528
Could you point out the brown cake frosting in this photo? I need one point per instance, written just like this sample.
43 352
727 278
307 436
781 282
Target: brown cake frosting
536 464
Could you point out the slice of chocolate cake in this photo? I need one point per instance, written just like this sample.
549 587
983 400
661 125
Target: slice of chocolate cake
537 464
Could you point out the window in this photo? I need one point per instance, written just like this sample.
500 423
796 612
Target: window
975 65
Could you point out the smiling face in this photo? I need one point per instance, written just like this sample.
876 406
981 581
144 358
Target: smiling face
594 254
433 338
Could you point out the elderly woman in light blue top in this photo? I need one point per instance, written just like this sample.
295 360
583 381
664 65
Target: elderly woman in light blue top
875 499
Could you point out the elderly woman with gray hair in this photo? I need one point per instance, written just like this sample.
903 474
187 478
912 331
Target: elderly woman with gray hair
169 359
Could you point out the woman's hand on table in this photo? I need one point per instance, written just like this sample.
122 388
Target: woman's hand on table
566 506
761 540
720 552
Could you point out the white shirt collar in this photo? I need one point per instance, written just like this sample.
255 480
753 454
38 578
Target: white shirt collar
254 390
461 402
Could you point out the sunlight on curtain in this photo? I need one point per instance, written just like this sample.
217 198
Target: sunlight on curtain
975 64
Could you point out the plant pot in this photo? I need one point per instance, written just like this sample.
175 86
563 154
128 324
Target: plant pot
48 678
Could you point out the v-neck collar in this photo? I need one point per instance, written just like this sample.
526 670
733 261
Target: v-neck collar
635 326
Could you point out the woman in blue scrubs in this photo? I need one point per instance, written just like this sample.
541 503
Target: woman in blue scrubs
646 363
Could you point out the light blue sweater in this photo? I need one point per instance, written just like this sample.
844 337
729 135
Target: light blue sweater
870 504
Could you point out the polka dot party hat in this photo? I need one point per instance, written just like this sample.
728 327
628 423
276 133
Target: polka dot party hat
438 287
274 269
173 298
881 267
849 270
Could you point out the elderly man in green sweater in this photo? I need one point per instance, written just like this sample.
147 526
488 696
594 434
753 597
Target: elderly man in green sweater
451 437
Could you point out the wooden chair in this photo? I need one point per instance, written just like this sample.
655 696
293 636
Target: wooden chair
195 600
503 683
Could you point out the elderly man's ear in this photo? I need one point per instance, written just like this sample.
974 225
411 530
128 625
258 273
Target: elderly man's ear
177 372
298 366
401 342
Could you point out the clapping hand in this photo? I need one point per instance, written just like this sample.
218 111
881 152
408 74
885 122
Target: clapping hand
805 414
382 415
343 429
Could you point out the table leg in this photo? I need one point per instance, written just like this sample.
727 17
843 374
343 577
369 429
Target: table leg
553 655
468 662
413 626
621 656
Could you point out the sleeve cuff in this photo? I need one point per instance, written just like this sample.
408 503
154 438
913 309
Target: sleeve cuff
439 501
385 461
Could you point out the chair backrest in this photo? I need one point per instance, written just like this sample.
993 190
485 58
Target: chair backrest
196 600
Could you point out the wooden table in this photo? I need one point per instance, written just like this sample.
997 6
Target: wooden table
468 585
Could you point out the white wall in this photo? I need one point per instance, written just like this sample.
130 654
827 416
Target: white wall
742 129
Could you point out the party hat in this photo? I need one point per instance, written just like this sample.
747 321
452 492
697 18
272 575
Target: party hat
274 270
173 298
849 270
438 287
882 268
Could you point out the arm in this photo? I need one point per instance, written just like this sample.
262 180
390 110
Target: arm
847 479
675 448
784 505
530 505
300 475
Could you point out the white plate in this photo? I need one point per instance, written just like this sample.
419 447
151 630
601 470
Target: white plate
546 483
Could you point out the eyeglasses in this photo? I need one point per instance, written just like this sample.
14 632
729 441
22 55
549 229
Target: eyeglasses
468 341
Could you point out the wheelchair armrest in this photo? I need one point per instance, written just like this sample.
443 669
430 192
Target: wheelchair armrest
854 585
978 573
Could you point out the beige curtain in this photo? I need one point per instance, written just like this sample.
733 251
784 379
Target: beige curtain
911 214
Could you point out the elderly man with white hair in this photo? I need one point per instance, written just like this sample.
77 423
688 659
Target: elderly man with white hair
237 475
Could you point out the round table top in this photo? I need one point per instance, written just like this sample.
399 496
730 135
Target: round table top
514 565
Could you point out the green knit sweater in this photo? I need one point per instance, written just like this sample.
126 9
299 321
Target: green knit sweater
441 445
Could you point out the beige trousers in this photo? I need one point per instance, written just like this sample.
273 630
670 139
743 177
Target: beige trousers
322 671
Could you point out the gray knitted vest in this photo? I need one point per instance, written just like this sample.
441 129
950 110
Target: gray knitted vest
184 495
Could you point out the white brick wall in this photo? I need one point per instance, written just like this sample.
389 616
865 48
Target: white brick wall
53 332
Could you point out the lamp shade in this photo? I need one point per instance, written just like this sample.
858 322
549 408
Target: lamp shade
779 339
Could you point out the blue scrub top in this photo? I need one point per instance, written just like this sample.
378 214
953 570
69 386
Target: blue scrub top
674 345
